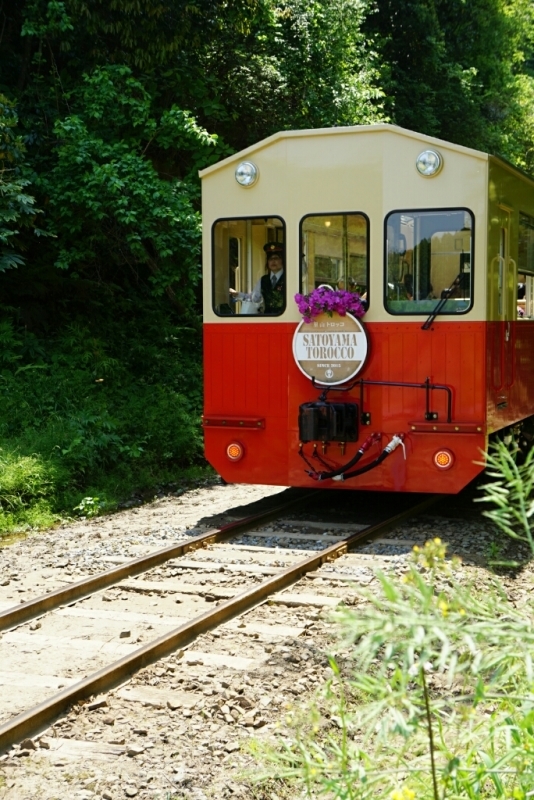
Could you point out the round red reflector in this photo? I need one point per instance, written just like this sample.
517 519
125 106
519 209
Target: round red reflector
235 451
444 459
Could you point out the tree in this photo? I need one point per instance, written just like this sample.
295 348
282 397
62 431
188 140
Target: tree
17 208
301 65
453 68
108 207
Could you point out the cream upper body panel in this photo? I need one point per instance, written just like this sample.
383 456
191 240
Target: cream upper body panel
365 169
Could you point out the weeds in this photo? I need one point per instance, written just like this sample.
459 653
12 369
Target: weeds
510 493
28 490
439 700
90 507
96 411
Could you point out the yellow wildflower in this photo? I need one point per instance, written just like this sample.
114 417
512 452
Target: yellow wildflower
402 794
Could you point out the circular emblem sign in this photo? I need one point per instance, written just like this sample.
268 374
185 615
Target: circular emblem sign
331 349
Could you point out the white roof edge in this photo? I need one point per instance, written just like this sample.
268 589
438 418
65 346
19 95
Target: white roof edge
382 126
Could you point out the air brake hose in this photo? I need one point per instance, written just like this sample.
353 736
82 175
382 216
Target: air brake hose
397 440
322 476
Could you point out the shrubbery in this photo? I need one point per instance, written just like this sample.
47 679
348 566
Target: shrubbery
431 699
107 408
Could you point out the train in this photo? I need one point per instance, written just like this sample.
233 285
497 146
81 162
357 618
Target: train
368 301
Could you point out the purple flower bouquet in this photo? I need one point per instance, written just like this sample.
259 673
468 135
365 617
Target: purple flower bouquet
327 301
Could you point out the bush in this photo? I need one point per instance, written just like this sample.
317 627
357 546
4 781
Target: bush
28 490
437 700
102 409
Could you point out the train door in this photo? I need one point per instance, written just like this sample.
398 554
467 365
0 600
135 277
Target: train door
503 353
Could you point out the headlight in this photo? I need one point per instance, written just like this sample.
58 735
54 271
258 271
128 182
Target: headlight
429 162
246 173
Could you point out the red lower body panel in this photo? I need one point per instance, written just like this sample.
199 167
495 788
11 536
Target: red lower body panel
252 380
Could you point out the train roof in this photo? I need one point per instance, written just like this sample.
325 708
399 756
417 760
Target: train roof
352 130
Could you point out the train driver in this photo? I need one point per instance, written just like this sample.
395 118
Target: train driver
270 288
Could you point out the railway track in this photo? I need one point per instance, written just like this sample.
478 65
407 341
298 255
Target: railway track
206 582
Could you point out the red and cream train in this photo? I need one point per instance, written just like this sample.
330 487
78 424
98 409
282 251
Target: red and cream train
439 240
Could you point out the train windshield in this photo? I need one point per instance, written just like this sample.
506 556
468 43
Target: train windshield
428 262
334 252
249 266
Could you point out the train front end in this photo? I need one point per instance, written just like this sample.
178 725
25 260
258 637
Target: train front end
374 378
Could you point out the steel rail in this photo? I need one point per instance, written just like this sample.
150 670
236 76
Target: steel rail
16 615
31 721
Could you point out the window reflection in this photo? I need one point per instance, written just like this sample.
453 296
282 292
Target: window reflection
239 263
334 252
429 256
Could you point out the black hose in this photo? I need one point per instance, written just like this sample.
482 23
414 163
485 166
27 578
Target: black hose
383 455
323 476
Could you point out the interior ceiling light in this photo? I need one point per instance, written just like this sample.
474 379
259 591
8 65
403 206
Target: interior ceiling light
246 173
429 163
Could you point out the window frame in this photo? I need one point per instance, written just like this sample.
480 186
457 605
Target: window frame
212 243
525 271
523 214
426 312
367 243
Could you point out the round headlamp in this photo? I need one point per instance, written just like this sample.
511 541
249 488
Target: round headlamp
246 173
429 163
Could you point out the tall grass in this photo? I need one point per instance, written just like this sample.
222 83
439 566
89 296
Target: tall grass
436 701
510 493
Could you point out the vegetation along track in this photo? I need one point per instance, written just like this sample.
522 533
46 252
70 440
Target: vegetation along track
72 626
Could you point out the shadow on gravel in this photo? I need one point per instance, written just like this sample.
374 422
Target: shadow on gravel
257 507
339 506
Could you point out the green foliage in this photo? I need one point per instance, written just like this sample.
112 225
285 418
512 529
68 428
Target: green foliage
302 65
46 19
23 479
139 33
511 493
28 487
109 409
17 209
107 205
456 70
90 507
438 701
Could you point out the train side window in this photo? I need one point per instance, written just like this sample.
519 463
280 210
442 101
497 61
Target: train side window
239 261
525 268
525 295
335 252
428 258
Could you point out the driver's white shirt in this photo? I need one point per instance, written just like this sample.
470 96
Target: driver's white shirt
255 295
